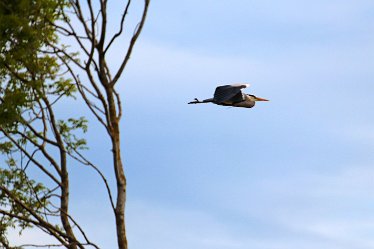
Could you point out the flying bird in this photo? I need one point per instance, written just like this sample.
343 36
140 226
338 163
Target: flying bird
231 95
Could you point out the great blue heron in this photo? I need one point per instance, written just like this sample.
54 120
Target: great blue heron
231 95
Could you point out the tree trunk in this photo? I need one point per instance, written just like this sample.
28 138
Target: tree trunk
65 195
121 194
65 207
119 171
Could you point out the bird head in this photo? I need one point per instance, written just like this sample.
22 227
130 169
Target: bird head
257 98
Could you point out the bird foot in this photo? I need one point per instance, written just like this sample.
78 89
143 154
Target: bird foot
196 101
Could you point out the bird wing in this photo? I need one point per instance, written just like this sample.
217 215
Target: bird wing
229 93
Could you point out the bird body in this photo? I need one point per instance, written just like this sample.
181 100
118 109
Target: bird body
231 95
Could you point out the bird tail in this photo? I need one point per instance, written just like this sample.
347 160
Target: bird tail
196 101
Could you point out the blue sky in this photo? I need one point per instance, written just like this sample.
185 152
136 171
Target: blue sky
293 173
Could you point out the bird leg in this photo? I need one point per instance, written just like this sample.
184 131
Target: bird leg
196 101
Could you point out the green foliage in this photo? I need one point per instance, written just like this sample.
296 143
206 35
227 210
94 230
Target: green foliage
21 191
66 129
31 82
6 147
28 69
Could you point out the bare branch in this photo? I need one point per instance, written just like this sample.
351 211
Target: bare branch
121 26
79 14
47 229
42 149
39 165
82 231
57 52
36 133
103 7
41 246
66 32
132 43
119 104
81 88
64 177
39 221
83 160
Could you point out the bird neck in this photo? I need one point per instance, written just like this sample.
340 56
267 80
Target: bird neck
250 97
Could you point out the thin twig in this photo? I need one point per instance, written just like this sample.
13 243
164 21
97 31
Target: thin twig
132 43
83 160
121 26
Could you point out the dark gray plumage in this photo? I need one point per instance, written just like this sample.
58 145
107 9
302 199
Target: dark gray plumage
231 95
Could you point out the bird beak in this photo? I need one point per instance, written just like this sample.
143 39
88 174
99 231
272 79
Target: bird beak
261 99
